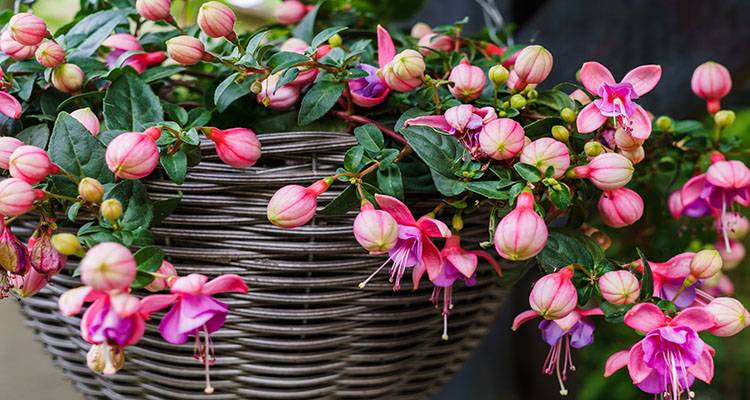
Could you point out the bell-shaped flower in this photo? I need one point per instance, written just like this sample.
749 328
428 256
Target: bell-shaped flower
671 279
122 43
465 122
371 90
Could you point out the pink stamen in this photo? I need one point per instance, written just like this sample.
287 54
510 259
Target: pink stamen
364 282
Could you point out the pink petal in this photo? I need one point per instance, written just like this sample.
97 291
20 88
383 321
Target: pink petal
431 259
692 189
636 366
697 318
225 283
491 260
615 362
156 302
523 317
433 227
641 123
592 312
122 41
416 274
124 304
465 263
704 368
567 322
645 317
71 302
398 210
590 119
9 106
386 49
433 121
137 331
643 78
191 284
169 327
594 75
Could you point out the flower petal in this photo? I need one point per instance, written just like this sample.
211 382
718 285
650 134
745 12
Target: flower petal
71 302
431 259
594 75
697 318
615 362
122 41
643 78
645 317
433 227
704 368
433 121
590 119
466 263
169 326
9 106
191 284
386 49
523 317
398 210
490 260
640 123
124 304
155 302
225 283
636 366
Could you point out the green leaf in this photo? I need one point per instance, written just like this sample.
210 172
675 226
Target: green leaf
491 189
344 202
448 186
76 151
566 247
149 258
175 165
528 172
387 156
36 135
438 151
647 280
304 30
319 100
138 210
370 138
154 74
615 313
198 117
73 211
286 59
542 126
353 158
555 100
390 182
229 91
325 34
560 196
163 208
131 105
87 35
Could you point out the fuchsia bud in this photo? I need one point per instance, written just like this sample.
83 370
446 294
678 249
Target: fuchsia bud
169 273
27 29
737 225
419 30
67 78
17 197
108 266
90 190
88 119
620 287
733 256
435 41
8 145
132 155
42 254
290 12
547 152
238 147
620 207
31 164
277 99
522 233
185 50
468 81
533 64
13 255
608 171
730 316
293 206
154 10
554 296
29 284
216 20
405 72
375 230
15 50
50 54
502 139
711 81
705 264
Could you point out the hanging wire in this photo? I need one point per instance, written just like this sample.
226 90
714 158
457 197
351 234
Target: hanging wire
494 20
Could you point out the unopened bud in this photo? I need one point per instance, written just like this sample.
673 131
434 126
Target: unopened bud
499 75
111 210
66 244
724 118
91 190
560 133
568 115
517 101
458 222
593 148
664 123
335 40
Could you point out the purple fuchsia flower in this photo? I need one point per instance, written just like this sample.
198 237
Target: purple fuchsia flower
121 43
371 90
671 279
616 99
465 122
671 356
413 248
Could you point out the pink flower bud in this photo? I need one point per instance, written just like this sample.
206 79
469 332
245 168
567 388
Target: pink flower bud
620 287
502 139
635 156
608 171
277 99
522 233
737 224
108 266
405 72
8 145
580 96
514 82
50 54
554 296
733 256
15 50
88 119
30 284
705 264
730 316
160 283
468 81
17 197
290 12
67 78
238 147
294 205
154 10
420 30
185 50
27 29
31 164
547 152
533 64
375 230
132 155
43 256
216 19
620 207
435 41
13 255
711 81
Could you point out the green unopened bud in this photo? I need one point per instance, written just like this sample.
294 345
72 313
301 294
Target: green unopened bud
66 244
532 94
111 210
560 133
664 123
568 115
91 190
517 101
724 118
256 87
593 148
506 104
335 40
458 222
499 75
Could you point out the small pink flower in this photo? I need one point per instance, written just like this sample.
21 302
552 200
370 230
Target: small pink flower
705 265
88 119
607 171
711 81
167 272
237 147
8 145
371 90
547 152
465 122
730 316
522 233
132 155
67 78
616 99
216 20
553 297
121 43
29 284
533 64
620 287
290 12
50 54
14 257
419 30
620 207
43 257
468 81
279 99
293 206
108 266
15 50
405 71
154 10
17 197
27 29
185 50
502 139
732 253
31 164
671 279
436 42
375 230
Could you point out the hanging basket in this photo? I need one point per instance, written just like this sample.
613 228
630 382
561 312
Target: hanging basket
305 330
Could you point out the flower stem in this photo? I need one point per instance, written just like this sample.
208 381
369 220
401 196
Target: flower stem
362 120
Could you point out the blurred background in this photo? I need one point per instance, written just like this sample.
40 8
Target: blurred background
677 34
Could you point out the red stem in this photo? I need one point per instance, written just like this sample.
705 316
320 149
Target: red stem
364 120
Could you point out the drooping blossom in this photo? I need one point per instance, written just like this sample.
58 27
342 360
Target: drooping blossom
711 81
468 81
670 279
371 90
502 139
9 106
68 78
217 20
294 205
465 122
43 257
619 287
522 233
121 43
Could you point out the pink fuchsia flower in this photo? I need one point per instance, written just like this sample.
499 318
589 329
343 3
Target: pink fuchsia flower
50 54
405 71
616 99
737 226
17 197
671 279
620 207
121 43
185 50
9 106
732 253
237 147
502 139
553 297
607 171
132 155
619 287
730 316
711 81
27 29
108 266
88 119
8 145
544 153
522 233
43 257
533 64
14 258
290 12
671 356
413 248
371 90
67 78
31 164
154 10
216 20
274 98
375 230
15 50
419 30
468 81
166 274
465 122
195 312
29 284
293 205
435 42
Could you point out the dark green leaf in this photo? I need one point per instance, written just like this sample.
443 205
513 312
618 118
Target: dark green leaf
198 117
542 126
439 151
76 151
387 156
555 100
614 313
149 258
154 74
131 105
324 35
390 182
319 100
305 29
560 196
565 247
138 211
448 186
370 138
528 172
344 202
229 91
163 208
87 35
647 280
286 59
36 135
353 158
491 189
175 165
73 211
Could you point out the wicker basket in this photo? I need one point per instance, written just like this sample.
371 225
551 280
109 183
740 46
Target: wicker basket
304 330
